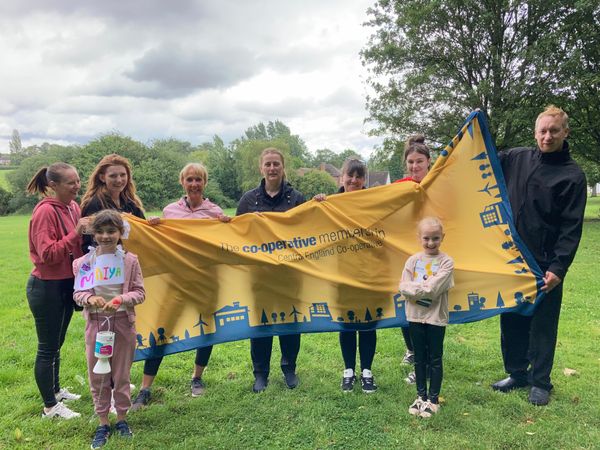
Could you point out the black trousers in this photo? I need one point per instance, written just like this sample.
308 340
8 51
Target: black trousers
407 341
428 342
151 366
261 348
51 303
529 342
367 342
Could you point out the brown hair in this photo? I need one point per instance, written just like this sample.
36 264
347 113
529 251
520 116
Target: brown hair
552 110
107 217
416 144
97 189
39 184
356 166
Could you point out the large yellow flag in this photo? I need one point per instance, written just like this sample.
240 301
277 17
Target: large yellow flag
334 265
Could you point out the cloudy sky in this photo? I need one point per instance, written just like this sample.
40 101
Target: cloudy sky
187 69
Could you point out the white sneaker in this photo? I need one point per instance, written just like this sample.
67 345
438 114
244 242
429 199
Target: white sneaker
65 395
60 410
415 408
411 378
428 409
112 409
408 358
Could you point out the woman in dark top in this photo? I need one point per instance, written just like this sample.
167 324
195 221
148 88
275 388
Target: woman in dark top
354 176
274 194
111 187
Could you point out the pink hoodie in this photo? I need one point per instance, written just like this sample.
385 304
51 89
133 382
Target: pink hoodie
182 210
50 249
133 286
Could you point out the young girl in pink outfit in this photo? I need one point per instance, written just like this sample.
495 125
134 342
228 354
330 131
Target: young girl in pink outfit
108 303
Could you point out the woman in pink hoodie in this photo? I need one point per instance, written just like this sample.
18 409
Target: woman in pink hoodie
193 205
55 232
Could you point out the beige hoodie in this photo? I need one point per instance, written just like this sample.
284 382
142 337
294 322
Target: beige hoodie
425 283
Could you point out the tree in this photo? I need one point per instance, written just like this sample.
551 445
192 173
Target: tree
390 157
5 202
279 131
592 174
578 70
16 149
330 157
263 318
324 155
313 183
172 145
222 167
433 62
351 316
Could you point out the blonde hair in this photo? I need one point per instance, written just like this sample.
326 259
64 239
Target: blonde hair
196 169
430 220
552 110
96 188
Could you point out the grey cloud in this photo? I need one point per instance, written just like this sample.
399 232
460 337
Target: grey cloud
283 109
138 11
178 70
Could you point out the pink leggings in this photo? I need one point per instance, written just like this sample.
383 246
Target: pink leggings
120 362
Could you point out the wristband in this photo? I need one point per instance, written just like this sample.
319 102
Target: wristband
117 301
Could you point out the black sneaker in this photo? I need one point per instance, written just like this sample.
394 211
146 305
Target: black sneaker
123 430
367 382
260 383
348 379
141 400
198 387
101 436
291 380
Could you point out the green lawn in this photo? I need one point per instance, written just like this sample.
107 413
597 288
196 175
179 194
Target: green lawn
316 414
592 208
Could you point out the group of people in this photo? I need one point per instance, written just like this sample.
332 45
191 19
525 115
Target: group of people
546 189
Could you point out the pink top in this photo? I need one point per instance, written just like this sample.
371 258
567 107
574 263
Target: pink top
133 286
181 209
51 249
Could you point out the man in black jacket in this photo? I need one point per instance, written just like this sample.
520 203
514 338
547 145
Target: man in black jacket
547 193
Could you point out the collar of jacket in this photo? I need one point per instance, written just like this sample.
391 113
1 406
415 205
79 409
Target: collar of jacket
556 157
341 189
284 190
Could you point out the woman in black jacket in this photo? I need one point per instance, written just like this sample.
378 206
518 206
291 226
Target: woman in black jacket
274 194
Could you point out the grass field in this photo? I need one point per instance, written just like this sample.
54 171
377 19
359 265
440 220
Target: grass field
592 208
316 414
